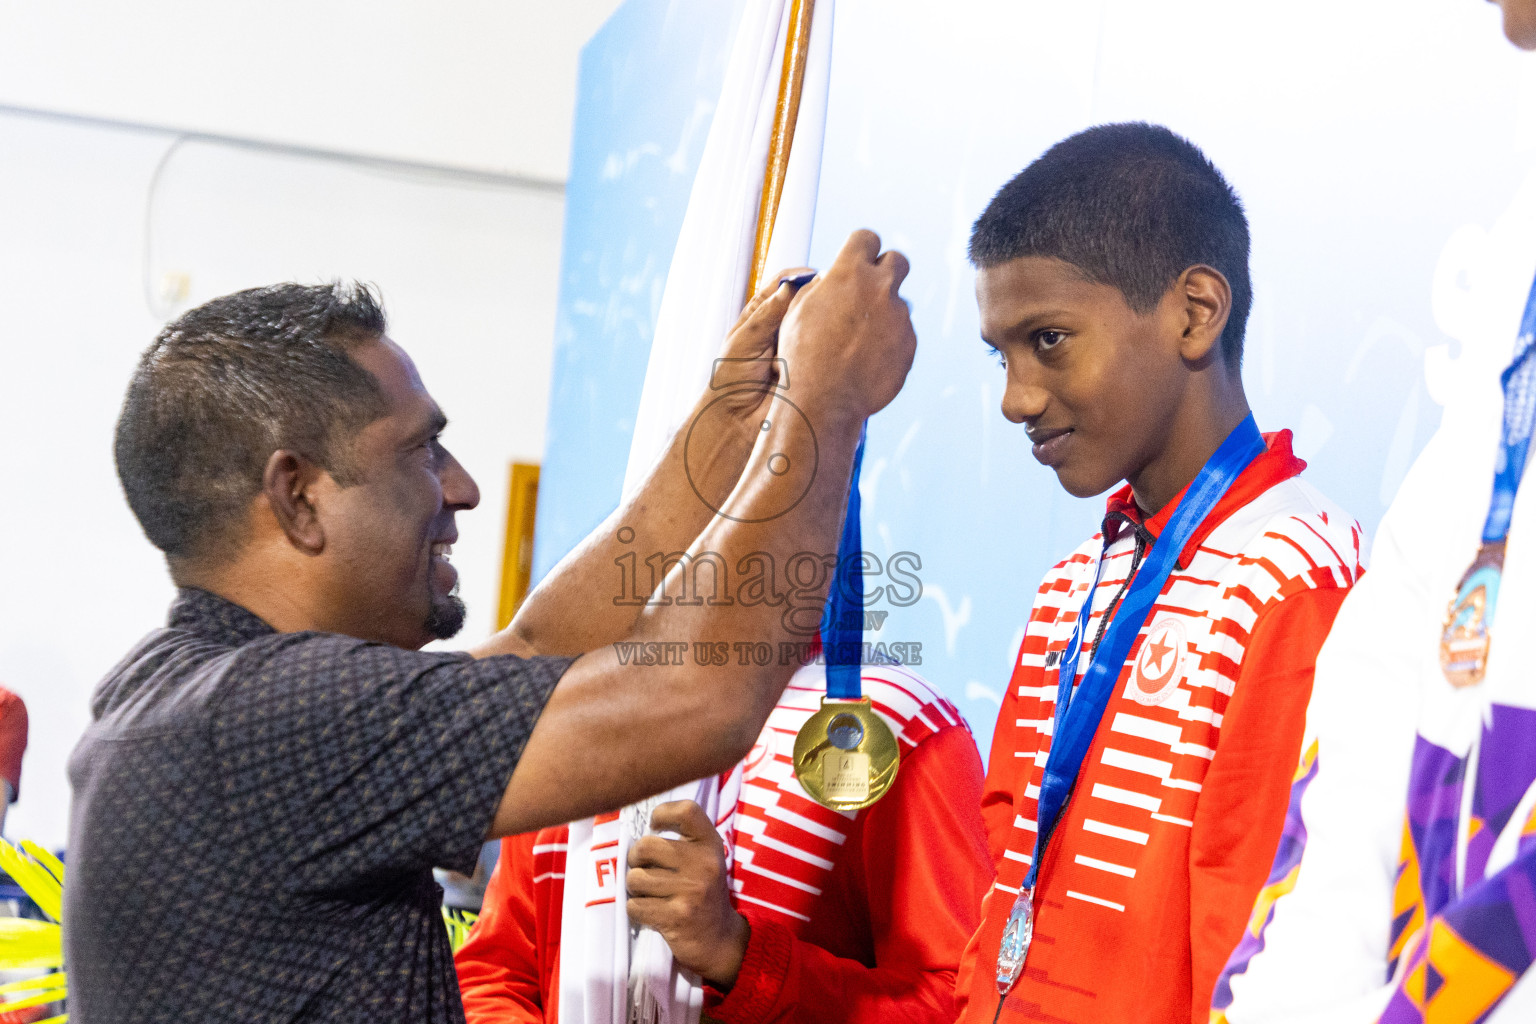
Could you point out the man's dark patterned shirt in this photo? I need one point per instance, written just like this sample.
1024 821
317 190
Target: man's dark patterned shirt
257 815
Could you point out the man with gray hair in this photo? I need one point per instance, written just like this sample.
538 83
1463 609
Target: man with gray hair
268 780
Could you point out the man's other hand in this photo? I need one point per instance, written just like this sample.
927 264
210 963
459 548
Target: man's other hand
848 335
749 356
754 339
679 887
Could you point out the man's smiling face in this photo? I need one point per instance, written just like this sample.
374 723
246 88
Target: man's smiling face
1095 383
388 534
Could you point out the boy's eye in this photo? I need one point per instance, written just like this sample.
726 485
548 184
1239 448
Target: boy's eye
997 354
1049 339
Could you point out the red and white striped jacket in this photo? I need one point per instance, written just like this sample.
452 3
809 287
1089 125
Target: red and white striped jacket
1174 819
855 917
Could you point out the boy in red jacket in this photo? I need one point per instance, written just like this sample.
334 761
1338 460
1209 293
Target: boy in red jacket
1144 751
804 915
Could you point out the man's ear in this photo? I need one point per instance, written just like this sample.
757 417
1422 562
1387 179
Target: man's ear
289 483
1207 300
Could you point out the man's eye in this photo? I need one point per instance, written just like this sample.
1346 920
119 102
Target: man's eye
997 354
1049 339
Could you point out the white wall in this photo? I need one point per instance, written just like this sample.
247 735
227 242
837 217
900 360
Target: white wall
482 84
88 233
98 224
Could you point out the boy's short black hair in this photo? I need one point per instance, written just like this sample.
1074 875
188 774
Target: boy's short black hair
1131 205
227 384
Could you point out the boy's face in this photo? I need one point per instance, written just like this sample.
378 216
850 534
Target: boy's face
1519 22
1096 384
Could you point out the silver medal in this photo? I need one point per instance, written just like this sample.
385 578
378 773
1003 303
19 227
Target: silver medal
1017 934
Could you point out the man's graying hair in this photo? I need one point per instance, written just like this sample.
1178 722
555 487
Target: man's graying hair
227 384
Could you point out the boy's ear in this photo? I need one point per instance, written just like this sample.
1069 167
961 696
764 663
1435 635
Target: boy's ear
1207 301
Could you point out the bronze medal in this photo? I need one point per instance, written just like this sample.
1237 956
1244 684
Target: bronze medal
845 755
1468 630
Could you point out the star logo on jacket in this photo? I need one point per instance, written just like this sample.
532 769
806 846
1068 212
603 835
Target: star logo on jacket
1159 664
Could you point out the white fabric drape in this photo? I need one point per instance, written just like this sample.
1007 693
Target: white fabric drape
708 278
609 975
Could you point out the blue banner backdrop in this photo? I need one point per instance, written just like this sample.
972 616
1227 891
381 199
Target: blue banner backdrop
1345 129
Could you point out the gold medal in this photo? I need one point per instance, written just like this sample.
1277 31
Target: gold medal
1468 631
845 755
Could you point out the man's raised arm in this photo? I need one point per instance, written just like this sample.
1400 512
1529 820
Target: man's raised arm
614 732
595 594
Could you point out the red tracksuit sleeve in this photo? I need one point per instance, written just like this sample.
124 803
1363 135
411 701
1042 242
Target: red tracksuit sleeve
1245 793
1007 772
499 965
923 862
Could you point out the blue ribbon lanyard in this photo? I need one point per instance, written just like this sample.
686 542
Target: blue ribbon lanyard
1519 381
842 624
1077 716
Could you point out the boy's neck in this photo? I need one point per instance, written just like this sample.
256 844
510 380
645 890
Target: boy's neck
1202 422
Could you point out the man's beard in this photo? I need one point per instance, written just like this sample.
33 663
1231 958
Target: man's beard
445 617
